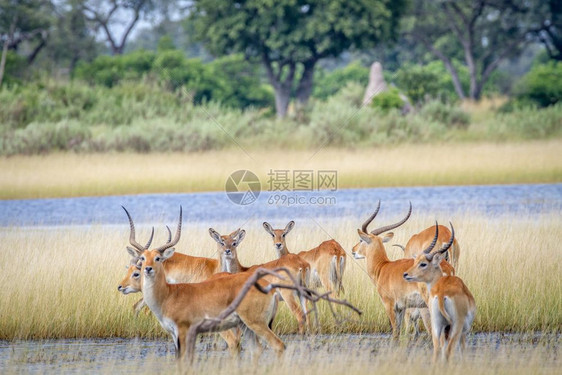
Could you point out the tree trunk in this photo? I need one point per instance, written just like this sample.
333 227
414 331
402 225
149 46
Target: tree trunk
281 86
3 61
304 89
5 49
456 80
282 99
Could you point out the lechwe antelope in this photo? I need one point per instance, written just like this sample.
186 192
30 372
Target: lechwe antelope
415 245
132 282
327 260
178 306
420 241
299 269
396 294
451 305
180 268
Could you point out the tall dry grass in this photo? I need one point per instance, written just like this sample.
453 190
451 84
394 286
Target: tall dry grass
68 175
62 282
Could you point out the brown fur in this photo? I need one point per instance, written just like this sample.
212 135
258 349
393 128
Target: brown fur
187 304
299 268
449 328
327 260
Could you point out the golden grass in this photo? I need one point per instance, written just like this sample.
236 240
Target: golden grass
70 175
62 282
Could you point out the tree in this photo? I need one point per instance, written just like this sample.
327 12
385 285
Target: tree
107 13
71 39
548 26
23 21
289 37
484 32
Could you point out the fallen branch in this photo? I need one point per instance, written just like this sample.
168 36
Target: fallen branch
213 324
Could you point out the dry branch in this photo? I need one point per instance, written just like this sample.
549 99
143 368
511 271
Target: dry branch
213 324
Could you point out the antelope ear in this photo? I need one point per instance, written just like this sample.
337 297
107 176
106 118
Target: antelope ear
166 254
437 258
241 235
289 227
268 228
133 252
364 236
215 236
387 237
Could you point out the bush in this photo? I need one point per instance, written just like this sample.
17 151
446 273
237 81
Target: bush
451 116
542 85
387 100
110 70
418 82
327 84
38 138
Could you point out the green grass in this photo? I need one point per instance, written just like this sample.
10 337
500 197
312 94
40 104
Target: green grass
62 282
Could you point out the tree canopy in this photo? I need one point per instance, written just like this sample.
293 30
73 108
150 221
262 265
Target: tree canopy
290 36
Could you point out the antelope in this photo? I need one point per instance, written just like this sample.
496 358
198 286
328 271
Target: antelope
180 268
327 260
396 294
414 246
299 268
132 282
451 305
420 241
178 306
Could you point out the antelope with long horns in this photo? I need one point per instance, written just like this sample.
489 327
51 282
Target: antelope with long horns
396 294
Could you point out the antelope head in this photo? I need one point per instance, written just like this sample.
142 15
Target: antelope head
373 239
228 243
278 236
428 264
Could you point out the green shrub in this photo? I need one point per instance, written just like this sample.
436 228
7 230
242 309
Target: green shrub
387 100
110 70
542 85
418 82
327 84
527 123
37 138
450 115
14 69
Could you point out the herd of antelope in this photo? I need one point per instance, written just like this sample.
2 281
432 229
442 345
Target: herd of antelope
182 290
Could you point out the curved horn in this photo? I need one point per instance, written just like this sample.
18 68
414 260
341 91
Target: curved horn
432 244
376 232
400 246
169 234
132 240
366 223
176 238
149 240
448 244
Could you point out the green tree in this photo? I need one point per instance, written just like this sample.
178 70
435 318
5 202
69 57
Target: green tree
547 26
23 21
483 32
289 37
71 40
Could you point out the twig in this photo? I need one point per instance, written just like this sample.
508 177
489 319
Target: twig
213 324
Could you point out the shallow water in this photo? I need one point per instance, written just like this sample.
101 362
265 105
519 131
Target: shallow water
536 353
489 200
